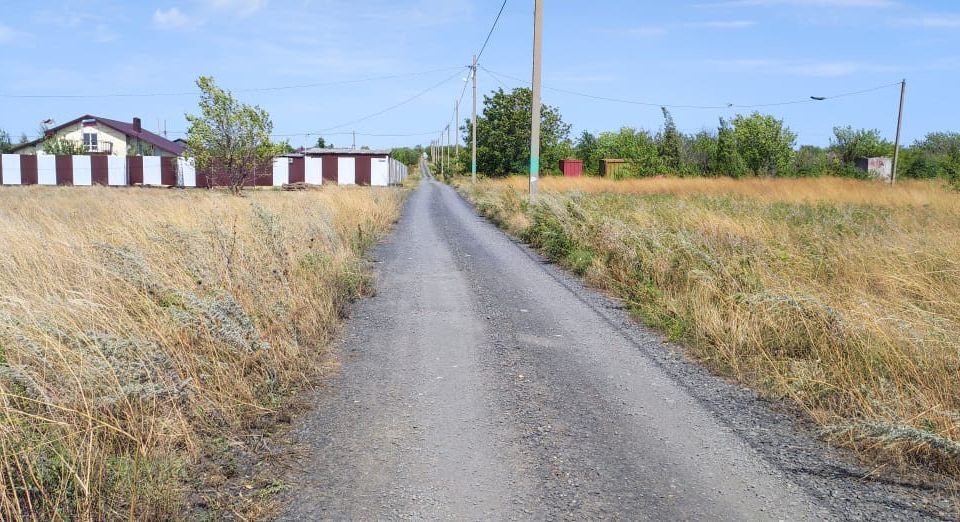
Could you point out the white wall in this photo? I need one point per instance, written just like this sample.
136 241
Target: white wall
82 170
186 172
346 171
116 171
313 173
46 170
281 171
151 170
379 172
11 169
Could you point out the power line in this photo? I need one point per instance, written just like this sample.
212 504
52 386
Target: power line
396 105
680 106
252 89
490 33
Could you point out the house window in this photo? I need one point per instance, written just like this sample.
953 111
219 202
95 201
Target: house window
90 141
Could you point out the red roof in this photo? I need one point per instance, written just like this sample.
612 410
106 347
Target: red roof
127 128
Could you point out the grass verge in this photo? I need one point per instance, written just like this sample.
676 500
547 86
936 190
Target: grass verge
842 296
144 331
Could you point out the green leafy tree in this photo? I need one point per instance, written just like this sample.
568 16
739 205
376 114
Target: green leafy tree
321 143
636 146
951 167
63 147
587 150
229 140
764 143
407 155
23 138
5 141
728 160
503 133
700 153
851 144
812 161
671 143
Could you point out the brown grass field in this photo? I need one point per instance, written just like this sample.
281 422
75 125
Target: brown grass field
840 296
146 334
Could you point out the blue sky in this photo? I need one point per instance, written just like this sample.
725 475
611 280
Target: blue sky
698 52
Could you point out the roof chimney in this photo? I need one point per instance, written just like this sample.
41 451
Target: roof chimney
136 125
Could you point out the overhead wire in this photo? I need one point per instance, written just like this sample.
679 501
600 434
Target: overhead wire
396 105
250 89
682 106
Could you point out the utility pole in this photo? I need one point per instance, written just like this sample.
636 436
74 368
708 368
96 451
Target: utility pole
456 131
535 123
896 146
473 122
442 148
354 139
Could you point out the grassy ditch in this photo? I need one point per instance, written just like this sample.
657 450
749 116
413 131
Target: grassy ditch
145 335
840 295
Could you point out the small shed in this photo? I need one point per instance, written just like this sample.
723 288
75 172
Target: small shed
880 168
610 166
571 168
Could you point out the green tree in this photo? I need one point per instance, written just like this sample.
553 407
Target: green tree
851 144
728 160
5 141
636 146
229 140
700 153
587 150
63 147
503 133
671 143
764 143
321 143
407 155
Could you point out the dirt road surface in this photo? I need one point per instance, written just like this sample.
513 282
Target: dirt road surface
483 383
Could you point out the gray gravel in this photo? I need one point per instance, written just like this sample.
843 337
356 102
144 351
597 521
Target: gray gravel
483 383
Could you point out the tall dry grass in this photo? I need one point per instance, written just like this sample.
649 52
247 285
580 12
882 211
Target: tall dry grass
138 325
841 295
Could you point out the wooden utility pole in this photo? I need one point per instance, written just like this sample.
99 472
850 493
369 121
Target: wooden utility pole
535 123
896 146
473 122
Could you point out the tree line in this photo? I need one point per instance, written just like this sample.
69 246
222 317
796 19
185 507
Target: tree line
745 145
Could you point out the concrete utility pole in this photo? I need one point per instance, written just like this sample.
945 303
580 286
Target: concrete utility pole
473 122
441 152
456 131
896 146
535 123
354 139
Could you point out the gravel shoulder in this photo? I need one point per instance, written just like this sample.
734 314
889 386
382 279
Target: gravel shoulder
482 382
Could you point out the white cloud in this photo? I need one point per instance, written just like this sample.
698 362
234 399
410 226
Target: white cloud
933 21
243 7
827 69
660 30
7 34
805 3
172 18
721 24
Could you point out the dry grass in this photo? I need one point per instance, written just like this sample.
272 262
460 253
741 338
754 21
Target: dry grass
841 295
138 325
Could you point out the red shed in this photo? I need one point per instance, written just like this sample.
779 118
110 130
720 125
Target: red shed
571 168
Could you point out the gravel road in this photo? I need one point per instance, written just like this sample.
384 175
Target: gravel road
484 383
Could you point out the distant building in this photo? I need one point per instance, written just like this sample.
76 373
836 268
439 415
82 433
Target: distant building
102 136
880 168
320 166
